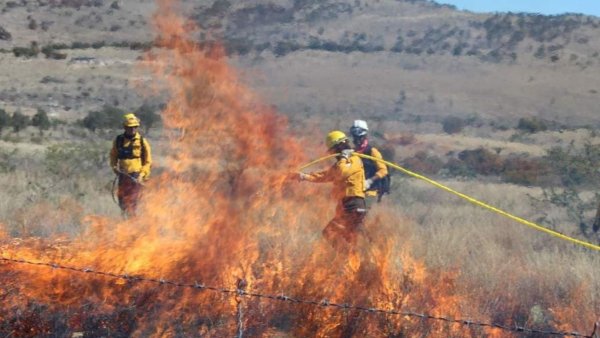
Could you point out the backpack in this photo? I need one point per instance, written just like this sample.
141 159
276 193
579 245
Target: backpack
382 185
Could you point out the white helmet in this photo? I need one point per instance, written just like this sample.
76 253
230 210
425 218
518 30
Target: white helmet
359 128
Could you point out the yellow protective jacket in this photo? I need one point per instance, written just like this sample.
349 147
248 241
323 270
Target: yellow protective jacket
347 175
382 170
129 157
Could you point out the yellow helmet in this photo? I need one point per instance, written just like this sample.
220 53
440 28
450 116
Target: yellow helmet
130 120
334 138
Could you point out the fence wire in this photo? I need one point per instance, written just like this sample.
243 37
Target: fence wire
324 303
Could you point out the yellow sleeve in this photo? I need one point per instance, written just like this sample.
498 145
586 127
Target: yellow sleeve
382 170
322 176
147 161
113 155
346 167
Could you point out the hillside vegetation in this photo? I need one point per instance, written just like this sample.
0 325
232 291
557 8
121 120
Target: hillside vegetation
446 92
388 59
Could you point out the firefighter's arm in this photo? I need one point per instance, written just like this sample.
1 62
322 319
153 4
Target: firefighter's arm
320 176
382 170
113 158
146 161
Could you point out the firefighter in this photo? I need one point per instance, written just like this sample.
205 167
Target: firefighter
130 160
377 180
347 176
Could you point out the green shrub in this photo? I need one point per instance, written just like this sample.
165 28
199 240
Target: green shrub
532 125
135 45
399 45
575 167
576 170
4 120
108 117
98 44
284 47
28 52
19 121
500 125
94 120
540 53
525 171
53 54
41 120
453 125
80 45
4 34
57 46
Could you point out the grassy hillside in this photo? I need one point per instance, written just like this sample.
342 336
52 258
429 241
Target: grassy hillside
392 60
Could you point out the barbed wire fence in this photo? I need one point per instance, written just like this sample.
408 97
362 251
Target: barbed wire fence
240 291
241 286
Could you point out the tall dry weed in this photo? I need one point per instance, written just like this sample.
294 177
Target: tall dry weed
510 268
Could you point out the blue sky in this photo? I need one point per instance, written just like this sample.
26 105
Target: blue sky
550 7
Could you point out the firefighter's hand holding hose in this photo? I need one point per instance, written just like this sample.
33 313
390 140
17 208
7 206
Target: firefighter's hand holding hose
302 177
296 177
368 183
140 179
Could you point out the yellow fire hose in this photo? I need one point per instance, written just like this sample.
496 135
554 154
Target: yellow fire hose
468 198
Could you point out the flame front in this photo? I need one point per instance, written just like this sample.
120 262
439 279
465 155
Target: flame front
225 211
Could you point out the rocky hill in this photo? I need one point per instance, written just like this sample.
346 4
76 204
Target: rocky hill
386 60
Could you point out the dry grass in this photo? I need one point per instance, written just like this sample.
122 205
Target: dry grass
369 84
68 89
32 205
442 144
38 200
484 253
494 255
